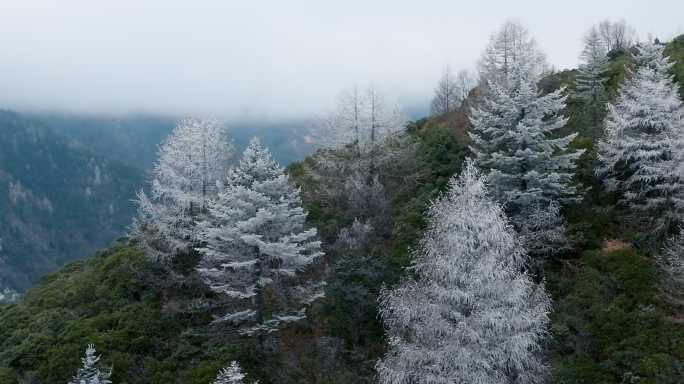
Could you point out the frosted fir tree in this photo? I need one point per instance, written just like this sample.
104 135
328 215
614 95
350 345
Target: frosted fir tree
515 143
591 76
256 243
470 315
590 80
89 373
640 156
511 50
232 374
191 162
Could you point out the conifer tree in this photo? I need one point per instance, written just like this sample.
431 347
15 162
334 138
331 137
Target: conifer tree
89 373
232 374
470 315
255 243
515 143
640 156
191 162
590 80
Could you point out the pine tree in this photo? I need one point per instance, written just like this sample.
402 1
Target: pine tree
255 242
640 156
590 80
470 315
514 141
231 374
89 373
191 161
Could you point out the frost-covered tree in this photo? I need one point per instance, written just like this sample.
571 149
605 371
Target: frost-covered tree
232 374
671 263
543 231
470 315
451 91
89 373
354 237
465 82
509 48
447 96
514 141
616 36
362 122
255 242
357 142
591 76
191 162
640 156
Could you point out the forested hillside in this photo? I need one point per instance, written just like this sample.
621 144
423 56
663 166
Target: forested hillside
57 203
434 268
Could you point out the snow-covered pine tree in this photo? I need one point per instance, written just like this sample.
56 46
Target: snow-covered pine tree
255 243
89 373
640 156
232 374
511 50
191 162
470 315
514 142
590 80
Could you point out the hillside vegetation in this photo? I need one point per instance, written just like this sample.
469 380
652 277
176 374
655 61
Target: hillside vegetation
610 323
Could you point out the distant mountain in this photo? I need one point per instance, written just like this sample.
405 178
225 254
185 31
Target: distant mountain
133 139
58 202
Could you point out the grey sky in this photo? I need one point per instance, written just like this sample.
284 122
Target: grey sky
270 58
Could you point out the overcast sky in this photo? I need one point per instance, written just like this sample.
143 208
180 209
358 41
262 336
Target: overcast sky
273 59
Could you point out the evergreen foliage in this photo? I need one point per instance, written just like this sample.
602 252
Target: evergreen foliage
640 156
89 373
191 162
515 142
254 238
591 76
470 315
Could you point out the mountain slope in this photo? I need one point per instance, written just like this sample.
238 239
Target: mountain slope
57 203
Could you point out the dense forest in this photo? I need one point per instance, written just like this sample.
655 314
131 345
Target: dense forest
526 232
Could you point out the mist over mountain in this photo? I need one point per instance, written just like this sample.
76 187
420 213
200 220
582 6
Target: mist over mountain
133 139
